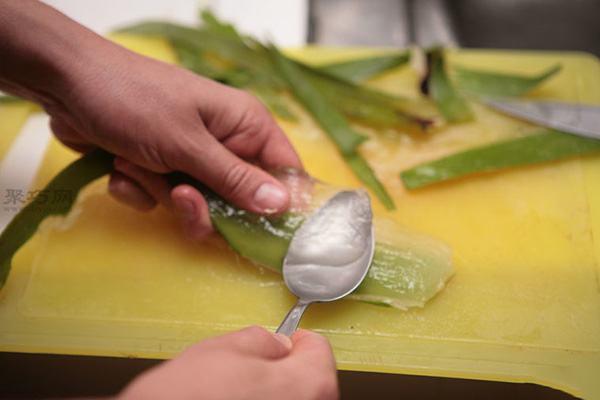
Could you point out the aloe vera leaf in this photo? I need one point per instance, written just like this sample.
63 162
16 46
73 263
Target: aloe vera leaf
421 266
332 122
546 146
489 84
259 238
68 183
440 89
358 71
326 115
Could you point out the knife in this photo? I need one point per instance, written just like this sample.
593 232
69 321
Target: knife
579 119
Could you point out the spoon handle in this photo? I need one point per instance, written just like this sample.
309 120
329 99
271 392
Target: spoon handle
291 320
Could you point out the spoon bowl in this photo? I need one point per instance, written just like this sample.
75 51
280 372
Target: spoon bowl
330 254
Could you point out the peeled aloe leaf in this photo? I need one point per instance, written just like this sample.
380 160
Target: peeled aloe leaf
439 87
489 84
548 145
408 268
358 71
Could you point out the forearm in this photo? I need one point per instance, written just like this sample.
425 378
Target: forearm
42 52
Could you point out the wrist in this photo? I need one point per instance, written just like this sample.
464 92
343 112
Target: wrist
44 52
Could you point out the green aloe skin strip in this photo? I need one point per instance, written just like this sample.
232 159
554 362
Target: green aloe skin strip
545 146
363 69
408 268
489 84
70 181
333 123
439 87
549 145
307 94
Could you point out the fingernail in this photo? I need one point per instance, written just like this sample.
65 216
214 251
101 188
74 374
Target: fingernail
270 198
185 208
287 342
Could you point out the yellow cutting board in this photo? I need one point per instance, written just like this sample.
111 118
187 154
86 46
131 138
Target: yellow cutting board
524 305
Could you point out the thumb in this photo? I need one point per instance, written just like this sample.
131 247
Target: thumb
313 349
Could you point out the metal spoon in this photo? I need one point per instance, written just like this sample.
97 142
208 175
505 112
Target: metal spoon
330 253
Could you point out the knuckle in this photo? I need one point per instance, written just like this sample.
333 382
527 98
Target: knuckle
250 101
236 178
255 113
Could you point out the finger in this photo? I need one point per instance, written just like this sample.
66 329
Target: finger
312 349
277 151
253 341
236 125
313 359
191 208
184 200
154 184
129 192
239 182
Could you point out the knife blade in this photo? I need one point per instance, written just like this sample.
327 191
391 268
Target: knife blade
578 119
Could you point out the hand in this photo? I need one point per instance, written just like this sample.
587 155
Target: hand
156 117
160 118
248 364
